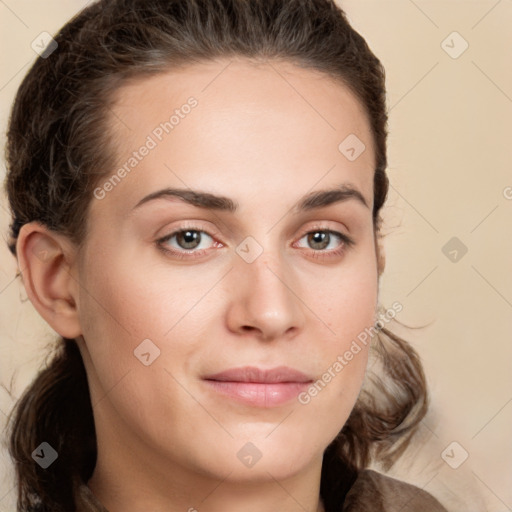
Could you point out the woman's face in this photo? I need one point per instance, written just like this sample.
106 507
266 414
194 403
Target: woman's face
245 264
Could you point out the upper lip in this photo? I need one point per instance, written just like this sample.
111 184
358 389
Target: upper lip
260 375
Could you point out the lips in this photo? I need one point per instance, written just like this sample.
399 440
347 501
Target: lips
258 387
257 375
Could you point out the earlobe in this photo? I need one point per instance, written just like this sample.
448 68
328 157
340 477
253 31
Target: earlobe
46 262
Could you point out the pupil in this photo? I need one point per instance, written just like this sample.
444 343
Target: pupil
320 238
190 238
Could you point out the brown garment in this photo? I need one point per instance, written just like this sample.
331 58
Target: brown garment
371 492
374 492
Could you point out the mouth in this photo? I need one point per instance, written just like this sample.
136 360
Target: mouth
259 387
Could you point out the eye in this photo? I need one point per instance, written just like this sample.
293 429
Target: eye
189 239
322 240
187 242
192 242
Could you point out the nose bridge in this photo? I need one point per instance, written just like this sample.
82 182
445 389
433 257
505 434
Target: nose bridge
268 275
265 296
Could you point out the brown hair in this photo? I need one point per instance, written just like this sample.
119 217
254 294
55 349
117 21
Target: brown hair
58 139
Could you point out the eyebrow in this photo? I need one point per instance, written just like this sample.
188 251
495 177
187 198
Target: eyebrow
312 201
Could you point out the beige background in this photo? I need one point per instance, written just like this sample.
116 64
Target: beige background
450 166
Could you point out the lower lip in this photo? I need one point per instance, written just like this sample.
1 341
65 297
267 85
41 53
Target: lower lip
259 394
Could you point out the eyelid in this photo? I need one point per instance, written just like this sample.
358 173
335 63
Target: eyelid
191 225
324 227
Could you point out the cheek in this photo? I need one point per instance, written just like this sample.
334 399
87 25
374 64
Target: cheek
128 298
116 315
349 306
349 299
129 301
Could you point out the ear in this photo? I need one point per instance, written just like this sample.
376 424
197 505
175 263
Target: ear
46 260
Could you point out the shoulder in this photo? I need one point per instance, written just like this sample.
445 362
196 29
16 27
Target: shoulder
375 492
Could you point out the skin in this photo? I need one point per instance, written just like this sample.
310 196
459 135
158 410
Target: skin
264 135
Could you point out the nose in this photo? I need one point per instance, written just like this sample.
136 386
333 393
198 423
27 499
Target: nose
265 299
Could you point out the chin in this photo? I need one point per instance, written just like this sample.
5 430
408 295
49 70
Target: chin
261 459
269 468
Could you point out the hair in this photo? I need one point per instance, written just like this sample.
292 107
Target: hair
60 144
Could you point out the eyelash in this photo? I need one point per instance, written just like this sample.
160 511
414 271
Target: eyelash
346 243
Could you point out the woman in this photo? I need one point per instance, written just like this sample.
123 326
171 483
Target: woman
196 189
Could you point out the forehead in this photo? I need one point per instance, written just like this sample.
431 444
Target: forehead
253 128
